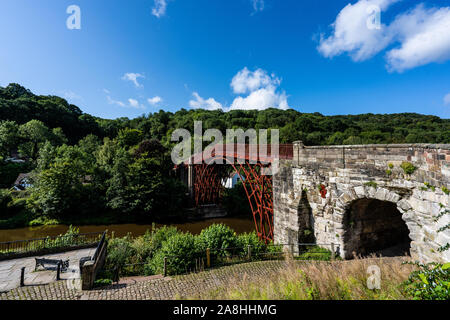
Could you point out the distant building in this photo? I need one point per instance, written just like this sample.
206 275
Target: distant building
231 181
22 182
14 160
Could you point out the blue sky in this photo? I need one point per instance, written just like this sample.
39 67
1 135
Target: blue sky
231 54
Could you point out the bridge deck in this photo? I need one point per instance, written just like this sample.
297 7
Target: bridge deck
241 152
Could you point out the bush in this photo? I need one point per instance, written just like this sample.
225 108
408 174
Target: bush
408 167
430 282
146 246
120 251
70 238
181 252
5 199
250 239
216 237
102 283
315 253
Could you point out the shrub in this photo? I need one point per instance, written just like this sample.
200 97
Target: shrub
250 239
160 235
181 252
315 253
408 167
5 199
430 282
146 246
120 251
391 166
216 237
445 190
102 283
273 251
69 238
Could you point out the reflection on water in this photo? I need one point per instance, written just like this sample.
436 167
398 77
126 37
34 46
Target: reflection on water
240 225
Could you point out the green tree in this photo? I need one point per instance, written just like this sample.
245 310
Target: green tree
9 137
34 133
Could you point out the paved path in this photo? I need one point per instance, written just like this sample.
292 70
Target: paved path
153 289
157 287
10 269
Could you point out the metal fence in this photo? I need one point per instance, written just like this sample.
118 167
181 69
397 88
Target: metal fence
213 258
36 245
199 261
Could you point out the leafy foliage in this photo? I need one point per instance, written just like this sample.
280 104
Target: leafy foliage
408 167
250 239
180 251
429 282
85 166
217 237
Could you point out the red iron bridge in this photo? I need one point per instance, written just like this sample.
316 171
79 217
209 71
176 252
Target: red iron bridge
205 172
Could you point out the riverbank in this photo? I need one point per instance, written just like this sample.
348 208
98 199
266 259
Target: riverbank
240 224
26 219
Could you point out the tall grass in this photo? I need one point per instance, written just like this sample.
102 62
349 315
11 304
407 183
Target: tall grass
339 280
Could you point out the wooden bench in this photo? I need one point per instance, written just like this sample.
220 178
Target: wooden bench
43 262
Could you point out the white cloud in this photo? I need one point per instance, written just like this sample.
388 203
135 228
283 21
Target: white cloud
422 35
116 102
133 77
425 38
132 103
261 99
70 95
247 81
261 88
447 99
155 100
209 104
159 9
135 104
351 34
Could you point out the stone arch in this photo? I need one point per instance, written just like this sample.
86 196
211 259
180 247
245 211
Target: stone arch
305 219
383 201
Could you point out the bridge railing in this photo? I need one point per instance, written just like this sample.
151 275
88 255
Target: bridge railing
255 152
54 243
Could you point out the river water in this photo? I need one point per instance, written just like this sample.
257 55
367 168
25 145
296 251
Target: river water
238 224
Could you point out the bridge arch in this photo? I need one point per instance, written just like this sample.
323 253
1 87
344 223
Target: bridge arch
374 221
208 188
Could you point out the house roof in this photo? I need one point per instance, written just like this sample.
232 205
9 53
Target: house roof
20 178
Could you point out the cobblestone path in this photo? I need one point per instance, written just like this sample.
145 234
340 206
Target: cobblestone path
155 289
10 269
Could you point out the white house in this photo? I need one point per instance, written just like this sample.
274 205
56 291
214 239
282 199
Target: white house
231 181
22 182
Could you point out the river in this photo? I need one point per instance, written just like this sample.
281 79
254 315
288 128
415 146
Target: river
238 224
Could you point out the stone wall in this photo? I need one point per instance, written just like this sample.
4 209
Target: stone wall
350 173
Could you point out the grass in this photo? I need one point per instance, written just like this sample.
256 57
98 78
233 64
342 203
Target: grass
340 280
